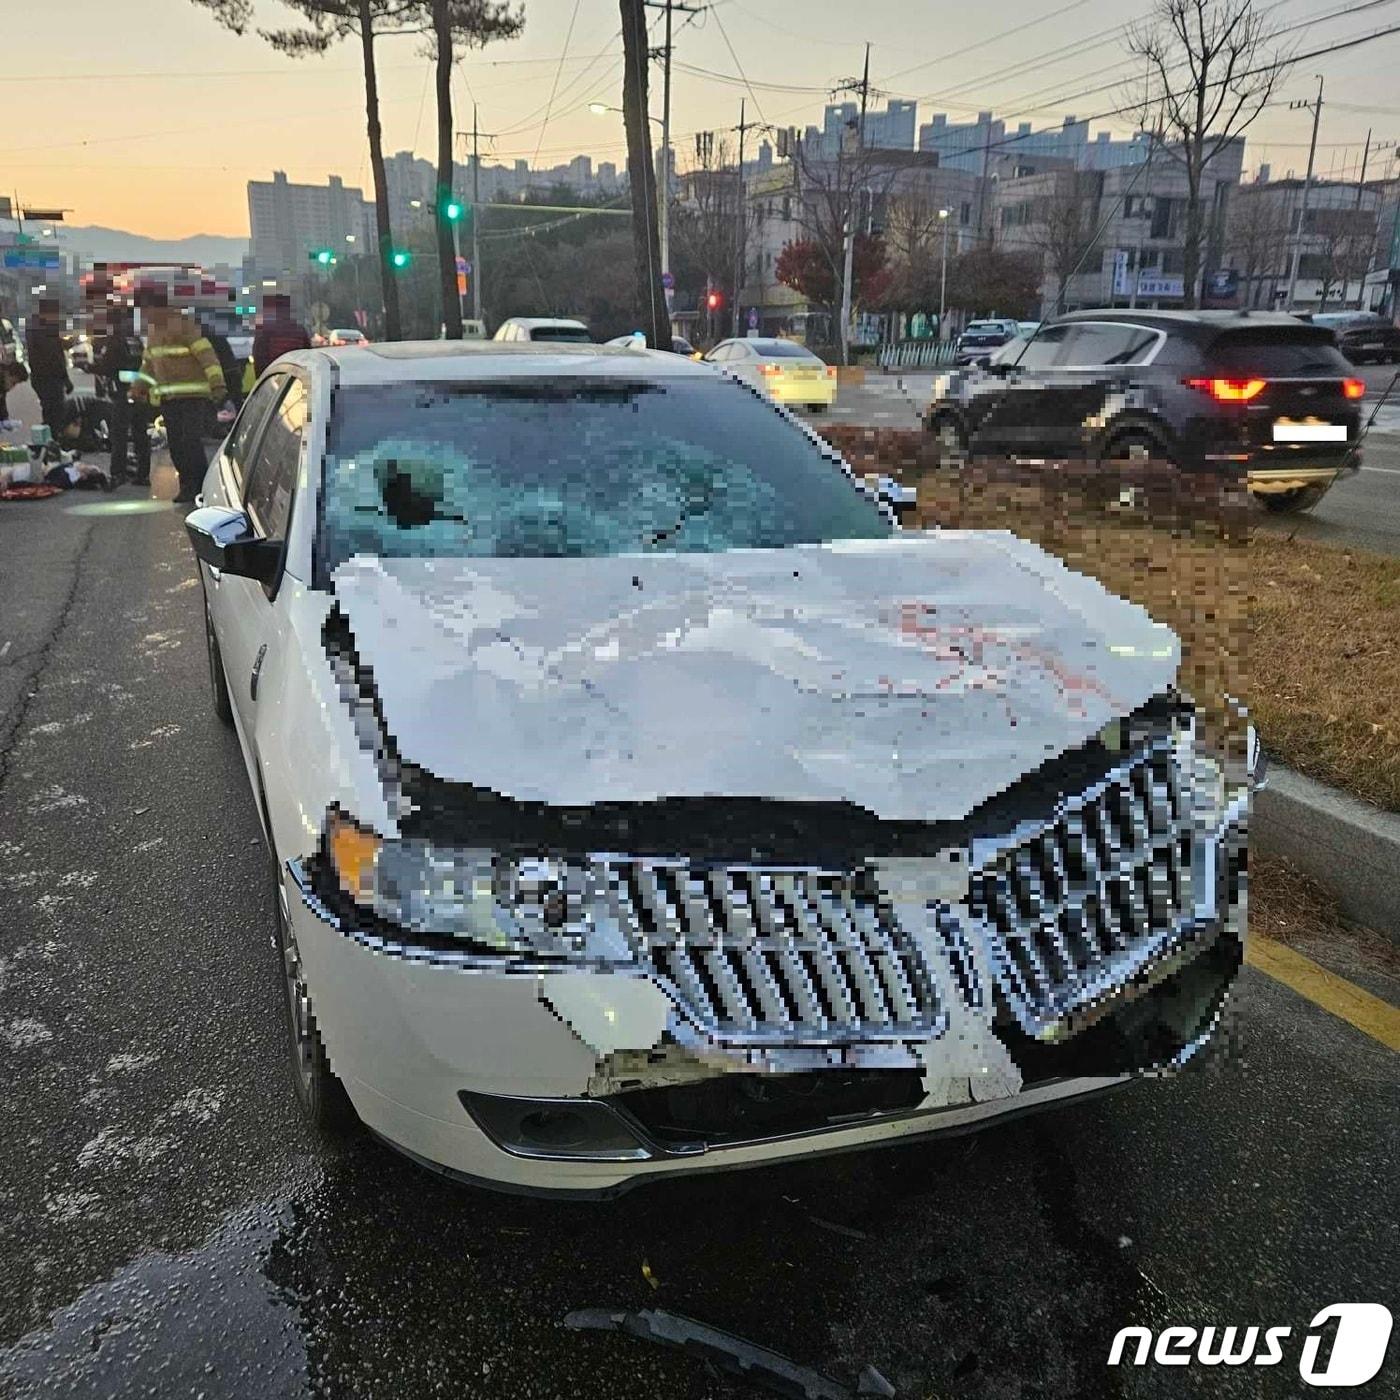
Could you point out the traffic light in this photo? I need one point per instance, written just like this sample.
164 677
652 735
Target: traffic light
453 210
713 301
400 258
323 256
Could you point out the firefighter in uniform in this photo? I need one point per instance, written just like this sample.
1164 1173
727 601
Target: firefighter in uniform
181 376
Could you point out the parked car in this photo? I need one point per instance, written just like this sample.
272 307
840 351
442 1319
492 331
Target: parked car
347 335
1362 335
638 804
784 370
980 338
1258 392
553 329
637 340
1027 328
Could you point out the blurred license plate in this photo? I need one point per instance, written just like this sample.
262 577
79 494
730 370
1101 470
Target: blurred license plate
1286 430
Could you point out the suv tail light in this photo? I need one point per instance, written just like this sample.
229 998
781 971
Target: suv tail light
1353 388
1228 390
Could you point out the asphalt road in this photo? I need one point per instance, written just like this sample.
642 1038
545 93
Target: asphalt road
170 1227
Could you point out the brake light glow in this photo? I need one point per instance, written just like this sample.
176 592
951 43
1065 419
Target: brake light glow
770 369
831 371
1229 390
1353 388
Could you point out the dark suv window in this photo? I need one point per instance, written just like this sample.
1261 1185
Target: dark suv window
1278 353
1104 343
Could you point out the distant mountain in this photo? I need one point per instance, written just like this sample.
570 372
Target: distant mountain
117 245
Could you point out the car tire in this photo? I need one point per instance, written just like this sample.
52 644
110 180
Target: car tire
1291 502
321 1095
218 681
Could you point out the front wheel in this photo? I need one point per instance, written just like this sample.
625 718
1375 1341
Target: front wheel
218 682
950 439
1290 502
322 1096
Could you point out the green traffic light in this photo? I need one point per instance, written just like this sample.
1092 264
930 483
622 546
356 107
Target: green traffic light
453 210
400 259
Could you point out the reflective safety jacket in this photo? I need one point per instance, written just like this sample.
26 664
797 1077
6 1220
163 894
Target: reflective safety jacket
179 362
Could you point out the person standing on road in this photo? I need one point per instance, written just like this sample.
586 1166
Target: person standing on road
278 333
180 374
118 353
48 365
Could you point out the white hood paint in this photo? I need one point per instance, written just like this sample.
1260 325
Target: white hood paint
915 676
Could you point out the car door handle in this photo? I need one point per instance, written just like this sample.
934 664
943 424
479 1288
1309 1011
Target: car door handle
257 672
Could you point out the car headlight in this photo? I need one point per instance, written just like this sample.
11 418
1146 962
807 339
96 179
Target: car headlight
500 903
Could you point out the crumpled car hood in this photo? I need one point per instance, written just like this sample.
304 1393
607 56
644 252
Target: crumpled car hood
914 676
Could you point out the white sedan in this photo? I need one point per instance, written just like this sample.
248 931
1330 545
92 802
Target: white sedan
644 801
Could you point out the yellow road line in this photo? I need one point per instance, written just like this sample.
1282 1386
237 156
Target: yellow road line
1369 1014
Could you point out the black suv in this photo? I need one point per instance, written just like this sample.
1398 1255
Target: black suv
1362 335
1263 393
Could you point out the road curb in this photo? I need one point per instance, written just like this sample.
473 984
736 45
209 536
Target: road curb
1342 842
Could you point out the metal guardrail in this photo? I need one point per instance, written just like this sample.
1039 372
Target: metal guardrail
916 354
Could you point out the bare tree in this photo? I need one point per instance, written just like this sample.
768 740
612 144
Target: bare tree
1211 67
1059 225
704 223
641 172
327 22
452 25
829 188
1349 239
1256 239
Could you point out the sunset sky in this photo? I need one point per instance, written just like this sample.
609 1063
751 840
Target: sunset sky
146 115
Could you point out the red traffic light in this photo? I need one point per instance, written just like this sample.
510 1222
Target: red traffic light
713 301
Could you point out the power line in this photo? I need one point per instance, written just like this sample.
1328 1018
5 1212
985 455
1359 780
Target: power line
563 54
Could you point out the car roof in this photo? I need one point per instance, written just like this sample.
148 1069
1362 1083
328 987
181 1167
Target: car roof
530 322
1199 325
416 361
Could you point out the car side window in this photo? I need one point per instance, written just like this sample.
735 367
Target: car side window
250 420
268 498
1095 343
1046 349
719 354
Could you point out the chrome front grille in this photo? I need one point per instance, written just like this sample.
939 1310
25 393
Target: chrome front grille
763 955
1074 906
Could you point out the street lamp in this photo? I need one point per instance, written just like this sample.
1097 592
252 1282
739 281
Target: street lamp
943 273
663 189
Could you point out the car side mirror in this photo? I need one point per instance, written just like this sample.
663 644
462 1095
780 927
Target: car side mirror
225 540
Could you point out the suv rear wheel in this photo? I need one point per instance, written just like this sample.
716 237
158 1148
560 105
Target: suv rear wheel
950 439
1289 502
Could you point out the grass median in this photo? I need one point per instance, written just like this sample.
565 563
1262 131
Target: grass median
1307 635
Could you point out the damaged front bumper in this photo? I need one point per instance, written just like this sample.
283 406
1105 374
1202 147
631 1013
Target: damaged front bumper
586 1081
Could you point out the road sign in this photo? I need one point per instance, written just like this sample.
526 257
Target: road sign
1151 285
1122 283
668 281
39 259
463 267
753 318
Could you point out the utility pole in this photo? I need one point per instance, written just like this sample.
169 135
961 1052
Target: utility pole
663 211
475 275
641 176
742 128
1365 156
849 229
1316 108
